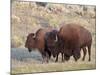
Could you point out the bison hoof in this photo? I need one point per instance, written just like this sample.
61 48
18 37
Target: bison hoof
76 60
63 60
89 60
83 59
56 61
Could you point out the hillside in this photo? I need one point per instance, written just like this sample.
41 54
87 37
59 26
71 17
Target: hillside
28 17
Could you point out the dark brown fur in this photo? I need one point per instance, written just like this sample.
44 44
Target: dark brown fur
55 49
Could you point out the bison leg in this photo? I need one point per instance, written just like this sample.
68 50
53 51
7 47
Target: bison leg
45 57
57 57
62 57
66 57
84 53
76 54
49 54
89 52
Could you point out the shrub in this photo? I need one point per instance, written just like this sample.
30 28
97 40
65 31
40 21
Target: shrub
16 42
41 4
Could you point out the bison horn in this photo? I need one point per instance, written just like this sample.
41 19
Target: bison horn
56 39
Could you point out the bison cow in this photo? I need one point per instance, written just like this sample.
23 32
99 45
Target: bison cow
72 38
36 41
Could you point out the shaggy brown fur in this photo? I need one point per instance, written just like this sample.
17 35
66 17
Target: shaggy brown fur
71 39
36 40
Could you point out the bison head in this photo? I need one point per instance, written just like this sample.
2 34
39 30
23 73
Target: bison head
30 42
51 38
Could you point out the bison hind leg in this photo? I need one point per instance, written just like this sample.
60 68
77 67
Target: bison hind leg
89 52
57 57
84 53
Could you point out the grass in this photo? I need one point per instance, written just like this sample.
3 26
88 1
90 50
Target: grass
24 62
52 67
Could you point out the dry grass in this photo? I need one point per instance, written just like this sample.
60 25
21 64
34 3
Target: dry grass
31 63
53 67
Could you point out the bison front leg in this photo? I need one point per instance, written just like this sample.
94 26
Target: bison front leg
76 54
57 57
66 57
48 54
45 57
62 57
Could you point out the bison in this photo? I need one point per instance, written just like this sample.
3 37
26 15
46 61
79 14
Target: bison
71 38
36 40
54 49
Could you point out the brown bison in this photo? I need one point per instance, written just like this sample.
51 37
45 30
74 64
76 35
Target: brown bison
71 38
36 40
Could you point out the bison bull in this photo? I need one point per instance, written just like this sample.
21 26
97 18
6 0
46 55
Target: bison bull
71 38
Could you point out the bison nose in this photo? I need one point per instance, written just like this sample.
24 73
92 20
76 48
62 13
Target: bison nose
29 50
